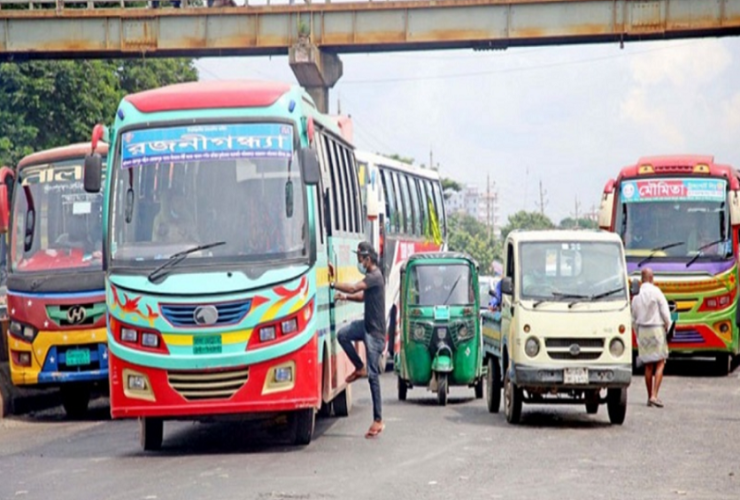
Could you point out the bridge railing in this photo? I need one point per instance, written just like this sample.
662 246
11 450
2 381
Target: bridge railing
60 5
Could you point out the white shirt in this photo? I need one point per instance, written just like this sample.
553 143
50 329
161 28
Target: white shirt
650 307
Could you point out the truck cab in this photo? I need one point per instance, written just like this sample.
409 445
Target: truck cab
563 332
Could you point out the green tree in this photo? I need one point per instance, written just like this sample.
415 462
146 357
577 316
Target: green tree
583 223
526 220
451 184
44 104
397 157
466 234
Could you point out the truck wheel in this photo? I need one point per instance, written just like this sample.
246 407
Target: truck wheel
402 389
592 402
493 386
616 404
343 402
75 399
303 424
512 400
151 433
442 389
723 364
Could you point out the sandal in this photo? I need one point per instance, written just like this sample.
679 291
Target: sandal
374 430
356 375
657 403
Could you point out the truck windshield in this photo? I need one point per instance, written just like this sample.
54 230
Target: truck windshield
564 270
691 213
177 188
441 284
56 226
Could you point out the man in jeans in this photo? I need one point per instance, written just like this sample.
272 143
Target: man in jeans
371 330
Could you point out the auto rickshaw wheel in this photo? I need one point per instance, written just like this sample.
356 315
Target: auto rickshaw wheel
512 400
442 389
402 389
303 425
493 386
151 433
343 402
616 404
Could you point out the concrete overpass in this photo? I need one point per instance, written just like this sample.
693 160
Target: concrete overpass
314 34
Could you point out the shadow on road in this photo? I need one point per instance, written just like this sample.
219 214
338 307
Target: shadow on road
694 367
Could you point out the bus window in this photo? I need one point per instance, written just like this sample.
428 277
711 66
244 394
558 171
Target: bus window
441 218
351 171
336 163
409 226
400 206
334 184
390 201
414 191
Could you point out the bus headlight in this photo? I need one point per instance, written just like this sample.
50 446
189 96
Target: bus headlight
616 347
532 347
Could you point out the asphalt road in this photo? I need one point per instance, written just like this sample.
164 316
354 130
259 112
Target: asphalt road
689 449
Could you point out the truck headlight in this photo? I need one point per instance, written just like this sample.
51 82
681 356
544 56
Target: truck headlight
532 347
616 347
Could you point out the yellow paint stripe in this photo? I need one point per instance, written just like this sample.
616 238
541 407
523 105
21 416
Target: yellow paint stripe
236 337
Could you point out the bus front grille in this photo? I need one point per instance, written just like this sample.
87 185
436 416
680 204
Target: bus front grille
202 385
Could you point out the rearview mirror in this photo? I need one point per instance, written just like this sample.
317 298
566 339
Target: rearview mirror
309 166
634 287
93 173
507 286
289 199
4 209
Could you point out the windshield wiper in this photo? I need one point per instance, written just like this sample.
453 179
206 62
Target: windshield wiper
703 247
559 295
178 257
452 289
658 249
606 294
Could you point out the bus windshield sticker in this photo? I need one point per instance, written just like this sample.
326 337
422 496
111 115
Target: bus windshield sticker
673 190
206 142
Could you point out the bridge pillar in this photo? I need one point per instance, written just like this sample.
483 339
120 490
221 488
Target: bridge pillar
317 71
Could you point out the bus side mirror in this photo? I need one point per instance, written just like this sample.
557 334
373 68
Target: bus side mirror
507 286
634 287
93 173
735 208
309 166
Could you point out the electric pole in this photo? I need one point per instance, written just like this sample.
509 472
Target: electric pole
576 214
543 193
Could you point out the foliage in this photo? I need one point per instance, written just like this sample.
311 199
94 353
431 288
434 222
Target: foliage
451 184
466 234
397 157
526 220
583 223
45 104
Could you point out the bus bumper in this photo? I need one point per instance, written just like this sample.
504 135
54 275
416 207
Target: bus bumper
282 384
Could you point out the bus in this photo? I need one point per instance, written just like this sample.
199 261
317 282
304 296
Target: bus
405 215
55 287
680 216
224 205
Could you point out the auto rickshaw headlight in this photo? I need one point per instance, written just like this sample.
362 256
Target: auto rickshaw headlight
419 332
464 333
616 347
532 347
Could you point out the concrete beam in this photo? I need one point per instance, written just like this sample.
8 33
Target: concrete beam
317 71
352 27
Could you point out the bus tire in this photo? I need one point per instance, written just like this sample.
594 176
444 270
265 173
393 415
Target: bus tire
151 433
723 364
616 405
343 402
75 399
493 386
303 425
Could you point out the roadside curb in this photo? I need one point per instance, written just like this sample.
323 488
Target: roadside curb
17 401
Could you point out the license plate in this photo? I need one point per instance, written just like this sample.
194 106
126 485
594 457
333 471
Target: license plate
77 357
207 344
575 376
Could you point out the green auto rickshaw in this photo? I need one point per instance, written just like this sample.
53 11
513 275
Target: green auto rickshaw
441 343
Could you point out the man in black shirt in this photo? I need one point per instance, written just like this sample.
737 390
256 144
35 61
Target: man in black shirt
371 330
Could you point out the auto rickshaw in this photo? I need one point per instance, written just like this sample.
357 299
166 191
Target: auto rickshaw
441 343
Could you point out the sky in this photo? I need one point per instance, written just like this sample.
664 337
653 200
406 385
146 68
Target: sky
566 116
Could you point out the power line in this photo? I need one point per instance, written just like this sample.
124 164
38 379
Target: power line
509 70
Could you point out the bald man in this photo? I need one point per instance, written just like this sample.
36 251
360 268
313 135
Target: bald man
651 319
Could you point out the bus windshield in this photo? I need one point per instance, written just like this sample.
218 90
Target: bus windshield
687 219
57 226
238 185
567 270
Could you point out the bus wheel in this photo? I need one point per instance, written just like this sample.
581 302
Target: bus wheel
303 424
616 404
723 364
493 386
75 399
343 402
151 433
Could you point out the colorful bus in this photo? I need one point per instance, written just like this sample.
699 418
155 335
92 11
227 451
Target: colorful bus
225 203
406 215
680 216
56 298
